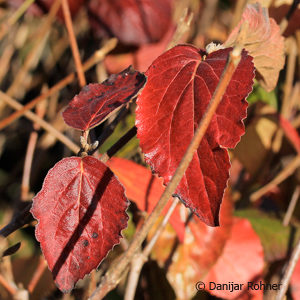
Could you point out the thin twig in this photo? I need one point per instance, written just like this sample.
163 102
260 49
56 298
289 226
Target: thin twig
19 12
96 57
5 59
141 257
25 186
292 206
92 284
135 269
8 286
285 173
295 97
207 15
38 272
14 18
286 104
288 273
291 66
285 21
112 277
45 125
184 25
238 11
43 32
74 46
161 227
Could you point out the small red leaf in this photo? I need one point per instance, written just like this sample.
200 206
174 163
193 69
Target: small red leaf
144 189
133 21
81 211
96 101
170 107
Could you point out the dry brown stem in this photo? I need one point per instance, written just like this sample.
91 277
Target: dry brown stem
45 125
38 44
73 42
285 173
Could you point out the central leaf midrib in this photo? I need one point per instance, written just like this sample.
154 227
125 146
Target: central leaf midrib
80 188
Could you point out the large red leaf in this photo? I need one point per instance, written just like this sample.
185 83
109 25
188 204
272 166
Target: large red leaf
133 21
144 189
81 211
96 101
180 85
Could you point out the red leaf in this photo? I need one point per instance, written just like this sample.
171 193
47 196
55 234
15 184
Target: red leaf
144 189
180 85
133 21
245 251
81 211
96 101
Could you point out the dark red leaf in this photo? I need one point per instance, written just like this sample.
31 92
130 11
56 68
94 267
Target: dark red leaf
180 85
81 211
133 21
96 101
144 189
